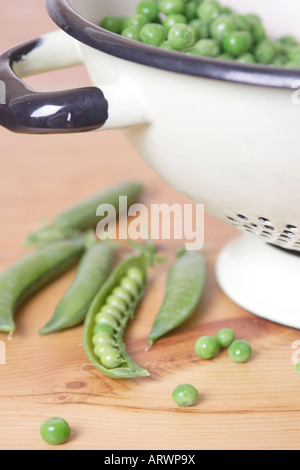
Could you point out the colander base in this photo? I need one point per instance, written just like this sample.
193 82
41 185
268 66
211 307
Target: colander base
261 279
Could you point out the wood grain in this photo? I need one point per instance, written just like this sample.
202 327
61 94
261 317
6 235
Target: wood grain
250 406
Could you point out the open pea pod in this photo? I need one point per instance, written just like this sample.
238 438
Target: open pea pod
108 316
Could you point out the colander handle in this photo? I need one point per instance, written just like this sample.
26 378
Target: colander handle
25 110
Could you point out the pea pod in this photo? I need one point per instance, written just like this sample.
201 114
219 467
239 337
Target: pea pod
83 215
31 273
108 316
93 270
184 289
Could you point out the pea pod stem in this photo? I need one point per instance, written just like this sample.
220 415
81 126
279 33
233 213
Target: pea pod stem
93 270
33 272
82 216
128 369
184 288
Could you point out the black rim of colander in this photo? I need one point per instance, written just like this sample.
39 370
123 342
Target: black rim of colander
92 35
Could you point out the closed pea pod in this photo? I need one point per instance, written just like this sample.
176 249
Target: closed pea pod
83 215
114 361
31 273
184 288
93 270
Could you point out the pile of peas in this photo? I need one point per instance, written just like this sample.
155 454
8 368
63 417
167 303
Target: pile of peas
109 319
205 28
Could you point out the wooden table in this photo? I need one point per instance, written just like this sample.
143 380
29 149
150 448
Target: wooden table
251 406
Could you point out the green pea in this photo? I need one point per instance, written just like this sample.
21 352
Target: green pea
102 337
279 60
284 48
208 10
136 20
292 64
274 44
253 19
298 368
264 53
100 348
258 32
206 347
180 37
153 34
117 302
208 47
123 294
111 359
241 23
246 58
240 351
226 11
294 53
167 46
131 285
192 51
112 23
104 328
148 8
185 395
132 32
225 337
106 318
237 43
201 27
191 10
55 431
289 41
168 7
171 20
112 311
225 56
222 26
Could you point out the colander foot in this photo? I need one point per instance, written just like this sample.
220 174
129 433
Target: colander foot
261 279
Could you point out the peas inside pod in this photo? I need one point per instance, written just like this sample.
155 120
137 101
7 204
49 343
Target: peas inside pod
108 316
205 28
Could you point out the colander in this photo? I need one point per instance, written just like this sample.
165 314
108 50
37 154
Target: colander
224 134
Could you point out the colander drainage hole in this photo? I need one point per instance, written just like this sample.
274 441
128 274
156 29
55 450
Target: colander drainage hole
292 228
267 234
288 232
286 237
232 220
264 220
243 217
